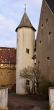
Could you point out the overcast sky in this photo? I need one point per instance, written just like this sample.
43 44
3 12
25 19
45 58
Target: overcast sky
11 12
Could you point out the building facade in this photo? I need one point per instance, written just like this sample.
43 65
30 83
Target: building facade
45 40
25 50
7 66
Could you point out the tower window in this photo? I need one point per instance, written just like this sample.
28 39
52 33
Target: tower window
27 82
27 50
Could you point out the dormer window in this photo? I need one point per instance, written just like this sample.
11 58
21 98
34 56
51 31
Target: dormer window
27 50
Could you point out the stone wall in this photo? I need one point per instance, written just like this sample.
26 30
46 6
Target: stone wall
45 42
7 75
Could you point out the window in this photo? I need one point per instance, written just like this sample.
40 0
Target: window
35 49
40 41
27 50
48 58
49 33
49 36
27 82
42 26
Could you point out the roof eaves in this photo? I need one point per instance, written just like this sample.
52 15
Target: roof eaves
25 22
24 26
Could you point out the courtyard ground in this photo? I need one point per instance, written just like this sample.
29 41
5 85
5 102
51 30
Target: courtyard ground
17 102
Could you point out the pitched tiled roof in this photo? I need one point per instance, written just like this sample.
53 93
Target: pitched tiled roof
51 4
25 22
7 55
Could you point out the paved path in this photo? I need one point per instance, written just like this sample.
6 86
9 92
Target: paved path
26 103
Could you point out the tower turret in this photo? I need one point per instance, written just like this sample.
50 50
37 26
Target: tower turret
25 49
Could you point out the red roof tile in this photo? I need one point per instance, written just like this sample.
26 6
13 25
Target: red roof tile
7 55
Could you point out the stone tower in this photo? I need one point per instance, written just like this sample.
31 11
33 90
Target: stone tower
25 49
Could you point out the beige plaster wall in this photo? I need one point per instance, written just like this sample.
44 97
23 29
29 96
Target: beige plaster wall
25 39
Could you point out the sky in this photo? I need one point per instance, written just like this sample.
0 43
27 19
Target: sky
11 12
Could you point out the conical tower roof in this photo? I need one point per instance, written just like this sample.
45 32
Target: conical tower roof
25 22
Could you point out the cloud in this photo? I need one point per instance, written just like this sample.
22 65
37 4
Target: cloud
11 12
6 23
7 31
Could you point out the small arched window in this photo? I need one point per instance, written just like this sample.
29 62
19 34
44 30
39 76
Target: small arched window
27 50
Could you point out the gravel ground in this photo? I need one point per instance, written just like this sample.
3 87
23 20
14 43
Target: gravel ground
17 102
